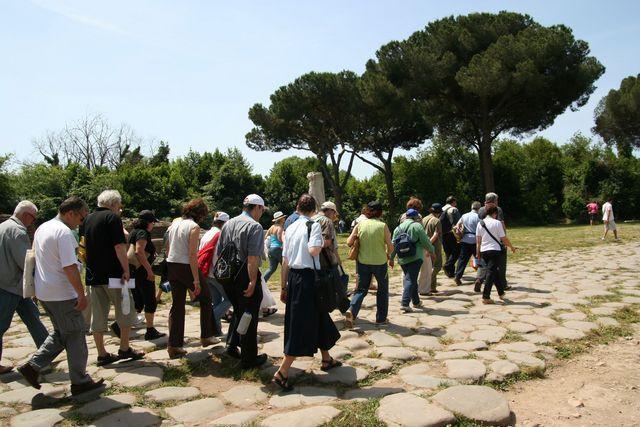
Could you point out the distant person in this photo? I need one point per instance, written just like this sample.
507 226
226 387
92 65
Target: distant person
106 248
491 244
342 226
245 293
14 243
144 294
592 210
467 226
375 245
307 328
184 275
491 199
273 238
433 228
449 218
608 219
293 217
411 264
59 289
413 203
360 218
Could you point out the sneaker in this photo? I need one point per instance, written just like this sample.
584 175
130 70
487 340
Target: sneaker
477 285
382 323
30 374
153 334
206 342
260 360
488 301
176 352
77 389
107 359
233 352
115 328
5 369
418 305
406 309
130 354
458 281
348 320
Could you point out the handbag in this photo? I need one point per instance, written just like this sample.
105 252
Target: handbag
28 282
354 250
324 284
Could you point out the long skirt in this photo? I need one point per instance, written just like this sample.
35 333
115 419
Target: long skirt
306 328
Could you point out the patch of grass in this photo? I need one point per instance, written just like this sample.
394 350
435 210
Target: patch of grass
470 356
357 414
599 299
603 335
462 421
75 418
511 336
526 374
445 340
177 376
373 354
627 315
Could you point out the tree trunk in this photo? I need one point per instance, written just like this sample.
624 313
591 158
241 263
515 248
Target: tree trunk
391 194
486 165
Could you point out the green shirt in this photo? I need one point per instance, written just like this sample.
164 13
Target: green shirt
416 232
373 250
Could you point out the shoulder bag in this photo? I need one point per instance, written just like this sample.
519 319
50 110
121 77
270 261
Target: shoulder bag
325 282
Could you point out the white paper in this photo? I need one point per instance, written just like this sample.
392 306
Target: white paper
117 283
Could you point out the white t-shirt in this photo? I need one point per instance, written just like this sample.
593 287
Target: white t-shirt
296 245
496 228
55 248
178 240
606 208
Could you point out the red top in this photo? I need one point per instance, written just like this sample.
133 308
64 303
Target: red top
592 208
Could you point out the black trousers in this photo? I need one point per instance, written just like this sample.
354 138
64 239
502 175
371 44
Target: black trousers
248 342
144 294
493 260
452 252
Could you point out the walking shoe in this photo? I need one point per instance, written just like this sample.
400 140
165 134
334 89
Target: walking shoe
176 352
383 322
434 292
77 389
30 374
476 286
406 309
153 334
508 288
233 352
458 281
418 305
115 328
206 342
260 360
487 301
130 354
348 320
5 369
107 359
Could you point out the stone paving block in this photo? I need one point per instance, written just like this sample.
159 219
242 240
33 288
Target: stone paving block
478 403
196 410
314 416
136 416
166 394
409 410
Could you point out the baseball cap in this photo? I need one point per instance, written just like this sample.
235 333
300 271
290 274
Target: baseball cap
437 207
148 216
412 212
328 205
254 199
221 216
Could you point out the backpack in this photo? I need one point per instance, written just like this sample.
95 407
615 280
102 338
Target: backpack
205 255
404 246
446 221
228 265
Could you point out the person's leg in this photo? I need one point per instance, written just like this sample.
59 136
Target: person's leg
382 296
207 325
139 274
414 270
86 313
406 286
222 305
8 305
364 281
466 251
177 311
437 266
502 268
125 321
52 345
491 261
71 329
150 303
28 312
446 247
99 319
275 257
234 294
249 341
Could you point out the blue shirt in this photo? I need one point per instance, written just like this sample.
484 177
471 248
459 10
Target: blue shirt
470 222
291 219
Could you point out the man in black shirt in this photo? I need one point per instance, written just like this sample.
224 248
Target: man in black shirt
106 249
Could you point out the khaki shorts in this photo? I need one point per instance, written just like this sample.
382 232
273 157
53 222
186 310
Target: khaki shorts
611 225
101 299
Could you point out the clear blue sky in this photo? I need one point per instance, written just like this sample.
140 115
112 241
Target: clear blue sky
188 71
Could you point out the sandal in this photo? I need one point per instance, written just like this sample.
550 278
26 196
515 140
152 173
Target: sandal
281 381
330 364
107 359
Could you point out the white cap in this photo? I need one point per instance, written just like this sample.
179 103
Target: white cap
221 216
328 205
253 199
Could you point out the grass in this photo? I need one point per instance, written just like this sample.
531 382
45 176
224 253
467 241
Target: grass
511 336
526 374
357 414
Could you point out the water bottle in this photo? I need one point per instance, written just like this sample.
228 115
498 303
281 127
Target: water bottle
244 322
165 286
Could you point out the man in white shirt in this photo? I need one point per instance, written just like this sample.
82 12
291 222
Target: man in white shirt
59 288
608 219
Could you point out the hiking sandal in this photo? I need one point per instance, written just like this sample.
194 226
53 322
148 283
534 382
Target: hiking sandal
330 364
281 381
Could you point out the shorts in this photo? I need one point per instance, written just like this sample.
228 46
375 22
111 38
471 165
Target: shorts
593 216
611 225
101 299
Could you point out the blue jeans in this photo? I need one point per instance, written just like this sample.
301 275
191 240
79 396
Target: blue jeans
28 312
275 258
466 251
410 282
221 303
365 272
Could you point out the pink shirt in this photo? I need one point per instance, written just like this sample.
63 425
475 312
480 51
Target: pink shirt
592 208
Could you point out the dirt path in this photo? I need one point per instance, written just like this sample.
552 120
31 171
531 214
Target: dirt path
598 388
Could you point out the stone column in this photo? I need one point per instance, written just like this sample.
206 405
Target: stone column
316 187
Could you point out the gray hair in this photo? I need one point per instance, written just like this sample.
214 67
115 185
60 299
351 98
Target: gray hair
491 198
475 206
109 198
25 206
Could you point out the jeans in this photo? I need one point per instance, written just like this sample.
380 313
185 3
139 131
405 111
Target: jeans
28 312
467 250
365 273
452 250
493 260
275 258
221 303
68 334
410 282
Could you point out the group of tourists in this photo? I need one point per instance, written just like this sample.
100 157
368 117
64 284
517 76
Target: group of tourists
304 244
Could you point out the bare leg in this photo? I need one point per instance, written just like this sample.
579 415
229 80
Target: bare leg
287 361
124 338
326 357
98 337
148 317
615 234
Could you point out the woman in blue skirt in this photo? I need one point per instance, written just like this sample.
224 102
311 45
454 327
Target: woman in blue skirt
307 329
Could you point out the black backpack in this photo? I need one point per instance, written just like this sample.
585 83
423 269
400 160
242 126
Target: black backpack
404 246
228 265
445 221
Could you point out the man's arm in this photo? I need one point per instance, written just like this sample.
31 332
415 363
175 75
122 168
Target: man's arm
253 262
73 275
121 253
18 249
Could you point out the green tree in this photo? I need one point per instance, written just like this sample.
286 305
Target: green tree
482 75
314 113
618 116
7 193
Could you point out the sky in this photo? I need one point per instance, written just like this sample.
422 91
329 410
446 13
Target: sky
188 71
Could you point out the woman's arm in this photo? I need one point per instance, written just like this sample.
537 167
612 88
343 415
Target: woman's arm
353 236
142 258
194 236
508 244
